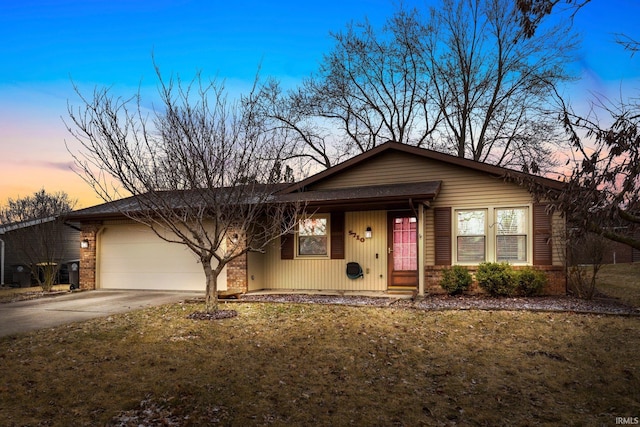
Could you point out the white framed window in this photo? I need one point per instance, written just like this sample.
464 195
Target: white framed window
511 234
492 234
471 236
312 237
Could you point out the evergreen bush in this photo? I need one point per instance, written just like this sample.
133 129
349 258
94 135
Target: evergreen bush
530 282
496 278
455 280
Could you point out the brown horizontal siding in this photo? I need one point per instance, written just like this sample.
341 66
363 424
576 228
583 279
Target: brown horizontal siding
380 170
460 186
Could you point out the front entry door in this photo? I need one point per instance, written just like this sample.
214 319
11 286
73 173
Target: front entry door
402 249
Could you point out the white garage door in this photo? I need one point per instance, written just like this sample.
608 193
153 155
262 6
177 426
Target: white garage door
131 256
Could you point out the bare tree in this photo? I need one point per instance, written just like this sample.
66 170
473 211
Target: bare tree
33 227
199 169
371 88
311 143
600 198
493 84
590 249
462 78
601 194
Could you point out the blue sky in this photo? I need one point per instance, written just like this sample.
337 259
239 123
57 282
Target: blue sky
46 44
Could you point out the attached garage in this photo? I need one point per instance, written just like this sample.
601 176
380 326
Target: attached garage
131 256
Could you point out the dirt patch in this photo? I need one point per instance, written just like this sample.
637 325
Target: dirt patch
216 315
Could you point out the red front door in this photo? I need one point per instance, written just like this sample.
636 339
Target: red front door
402 249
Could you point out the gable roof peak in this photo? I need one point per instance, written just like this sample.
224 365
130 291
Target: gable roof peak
426 153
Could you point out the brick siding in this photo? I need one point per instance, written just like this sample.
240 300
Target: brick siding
237 275
88 255
237 272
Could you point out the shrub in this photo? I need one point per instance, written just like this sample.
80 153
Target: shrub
529 282
496 278
455 280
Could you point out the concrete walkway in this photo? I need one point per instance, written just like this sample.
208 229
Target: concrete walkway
24 316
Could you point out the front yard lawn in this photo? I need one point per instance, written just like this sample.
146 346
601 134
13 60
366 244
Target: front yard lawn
621 281
301 364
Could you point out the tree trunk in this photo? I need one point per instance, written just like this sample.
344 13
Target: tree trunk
49 271
211 297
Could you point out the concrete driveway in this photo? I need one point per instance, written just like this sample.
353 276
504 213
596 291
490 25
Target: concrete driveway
24 316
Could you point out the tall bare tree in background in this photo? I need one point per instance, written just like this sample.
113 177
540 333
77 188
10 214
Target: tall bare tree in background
371 88
33 228
462 78
200 170
602 192
493 84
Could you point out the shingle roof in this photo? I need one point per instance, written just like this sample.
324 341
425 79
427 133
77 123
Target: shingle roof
369 195
419 191
174 198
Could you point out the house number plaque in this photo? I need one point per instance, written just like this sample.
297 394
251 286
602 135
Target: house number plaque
356 236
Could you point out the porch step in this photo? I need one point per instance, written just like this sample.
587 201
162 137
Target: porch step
402 290
229 295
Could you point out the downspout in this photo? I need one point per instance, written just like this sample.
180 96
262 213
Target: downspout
1 262
97 268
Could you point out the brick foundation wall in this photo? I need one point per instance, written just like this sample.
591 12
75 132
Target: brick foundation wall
88 255
556 280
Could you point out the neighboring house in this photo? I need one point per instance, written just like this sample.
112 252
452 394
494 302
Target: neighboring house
401 213
14 238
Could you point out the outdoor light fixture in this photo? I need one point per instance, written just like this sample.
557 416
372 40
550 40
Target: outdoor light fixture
367 233
84 244
235 238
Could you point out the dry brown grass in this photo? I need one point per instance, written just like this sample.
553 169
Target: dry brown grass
295 364
8 294
621 281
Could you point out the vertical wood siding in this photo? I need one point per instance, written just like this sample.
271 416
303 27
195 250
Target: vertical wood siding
330 274
256 271
70 244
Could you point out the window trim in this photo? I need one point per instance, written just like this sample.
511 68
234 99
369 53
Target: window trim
297 254
491 249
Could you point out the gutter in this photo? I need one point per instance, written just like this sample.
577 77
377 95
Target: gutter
68 224
1 261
